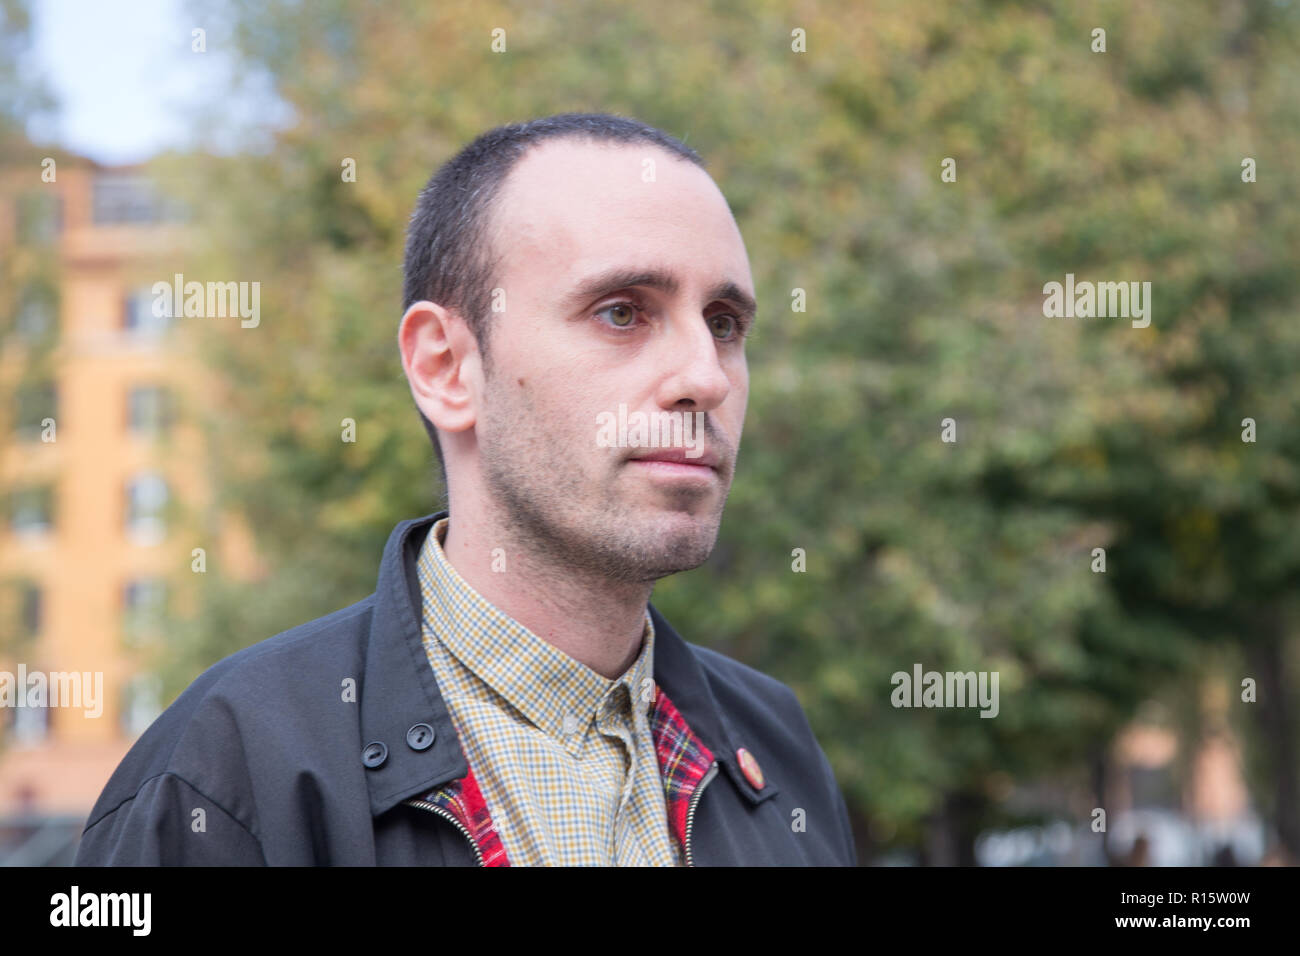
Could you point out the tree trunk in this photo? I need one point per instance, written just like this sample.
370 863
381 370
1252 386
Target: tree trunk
951 832
1274 709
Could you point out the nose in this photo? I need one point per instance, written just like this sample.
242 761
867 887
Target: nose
694 372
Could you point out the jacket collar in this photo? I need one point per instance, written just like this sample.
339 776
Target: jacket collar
407 695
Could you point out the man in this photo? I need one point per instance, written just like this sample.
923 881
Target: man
508 696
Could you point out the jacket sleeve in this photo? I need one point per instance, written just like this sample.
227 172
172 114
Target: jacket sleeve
835 796
845 825
168 823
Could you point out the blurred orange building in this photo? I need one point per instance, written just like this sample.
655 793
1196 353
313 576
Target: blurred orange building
101 469
106 498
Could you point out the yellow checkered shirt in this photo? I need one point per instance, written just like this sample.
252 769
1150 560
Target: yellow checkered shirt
564 757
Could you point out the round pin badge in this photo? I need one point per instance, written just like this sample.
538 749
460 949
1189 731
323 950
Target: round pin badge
750 768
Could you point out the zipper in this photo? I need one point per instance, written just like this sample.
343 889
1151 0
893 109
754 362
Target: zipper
478 854
695 799
434 808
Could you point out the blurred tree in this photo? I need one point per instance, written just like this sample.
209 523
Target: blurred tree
925 302
27 292
23 95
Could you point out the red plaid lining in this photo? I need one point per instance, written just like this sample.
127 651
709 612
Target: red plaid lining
463 800
683 762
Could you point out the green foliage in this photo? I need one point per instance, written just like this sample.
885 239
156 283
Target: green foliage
924 303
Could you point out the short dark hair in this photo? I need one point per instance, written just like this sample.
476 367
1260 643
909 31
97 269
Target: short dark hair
449 258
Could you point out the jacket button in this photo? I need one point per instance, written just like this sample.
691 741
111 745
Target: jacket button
374 754
750 768
420 737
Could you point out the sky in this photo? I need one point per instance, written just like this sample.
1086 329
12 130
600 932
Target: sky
127 83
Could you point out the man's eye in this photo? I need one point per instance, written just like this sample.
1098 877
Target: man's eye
730 327
622 314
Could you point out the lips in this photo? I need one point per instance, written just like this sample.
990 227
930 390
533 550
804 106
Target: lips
678 456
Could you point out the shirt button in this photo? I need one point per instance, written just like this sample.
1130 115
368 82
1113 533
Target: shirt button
569 725
750 768
420 737
374 754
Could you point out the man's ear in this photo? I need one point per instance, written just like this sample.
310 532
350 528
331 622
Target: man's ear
441 360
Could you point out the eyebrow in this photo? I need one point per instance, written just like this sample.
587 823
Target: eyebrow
612 280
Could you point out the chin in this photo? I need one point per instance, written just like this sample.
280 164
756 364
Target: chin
690 539
702 522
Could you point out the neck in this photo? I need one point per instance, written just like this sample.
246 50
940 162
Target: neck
594 620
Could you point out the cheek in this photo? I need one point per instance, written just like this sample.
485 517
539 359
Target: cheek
739 392
560 407
740 398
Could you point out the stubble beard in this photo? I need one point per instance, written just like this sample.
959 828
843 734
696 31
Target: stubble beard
590 529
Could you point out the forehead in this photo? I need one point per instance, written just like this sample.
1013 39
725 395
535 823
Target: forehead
570 208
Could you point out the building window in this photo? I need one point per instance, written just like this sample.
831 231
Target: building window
148 410
31 609
28 726
128 199
141 703
146 502
35 320
23 610
138 317
31 510
144 602
40 217
35 404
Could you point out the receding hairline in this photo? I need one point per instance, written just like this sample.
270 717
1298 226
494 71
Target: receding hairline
492 219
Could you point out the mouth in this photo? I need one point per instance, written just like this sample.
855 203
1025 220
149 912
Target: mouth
675 463
683 456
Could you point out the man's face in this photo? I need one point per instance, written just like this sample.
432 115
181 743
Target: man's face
566 353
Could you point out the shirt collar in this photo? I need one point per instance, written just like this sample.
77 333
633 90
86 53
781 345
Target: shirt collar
393 658
557 693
